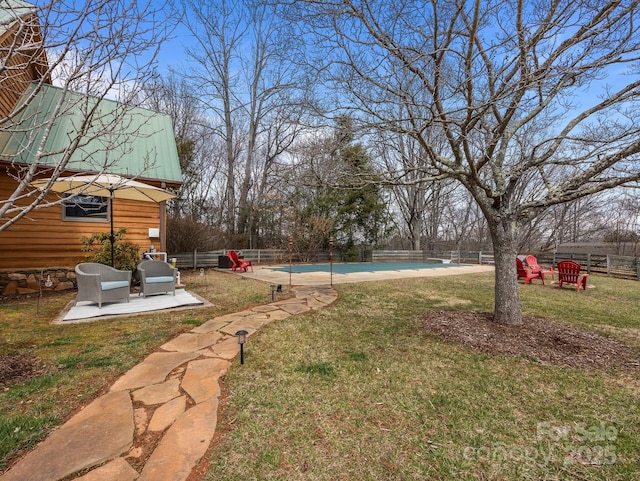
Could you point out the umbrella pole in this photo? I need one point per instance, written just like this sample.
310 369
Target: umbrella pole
113 264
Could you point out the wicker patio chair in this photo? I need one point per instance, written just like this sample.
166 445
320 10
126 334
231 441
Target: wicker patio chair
100 283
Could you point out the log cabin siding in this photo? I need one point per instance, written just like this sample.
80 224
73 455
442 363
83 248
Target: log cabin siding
45 240
22 65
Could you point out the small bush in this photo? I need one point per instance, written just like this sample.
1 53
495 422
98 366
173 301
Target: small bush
98 246
352 254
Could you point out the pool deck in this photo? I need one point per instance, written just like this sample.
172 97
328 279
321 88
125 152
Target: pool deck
268 274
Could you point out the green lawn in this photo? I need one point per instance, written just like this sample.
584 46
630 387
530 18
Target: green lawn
359 390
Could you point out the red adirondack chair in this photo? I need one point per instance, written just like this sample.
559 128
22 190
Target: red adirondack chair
239 263
569 273
526 273
533 263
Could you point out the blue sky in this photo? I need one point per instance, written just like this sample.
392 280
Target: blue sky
172 52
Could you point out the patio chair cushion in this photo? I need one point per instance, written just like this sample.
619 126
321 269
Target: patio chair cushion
156 280
109 285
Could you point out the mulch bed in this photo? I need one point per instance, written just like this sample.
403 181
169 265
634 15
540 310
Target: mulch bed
541 340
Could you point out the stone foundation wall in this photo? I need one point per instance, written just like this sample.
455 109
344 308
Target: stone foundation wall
22 282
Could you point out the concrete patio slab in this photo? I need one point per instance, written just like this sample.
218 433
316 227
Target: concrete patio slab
86 311
268 274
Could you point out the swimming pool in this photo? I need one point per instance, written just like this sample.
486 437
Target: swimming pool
353 267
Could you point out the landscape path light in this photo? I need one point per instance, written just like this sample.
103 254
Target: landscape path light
275 289
242 338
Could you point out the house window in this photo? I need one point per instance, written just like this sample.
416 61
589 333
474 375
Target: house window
86 208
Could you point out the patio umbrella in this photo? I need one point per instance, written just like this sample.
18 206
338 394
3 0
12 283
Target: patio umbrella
105 185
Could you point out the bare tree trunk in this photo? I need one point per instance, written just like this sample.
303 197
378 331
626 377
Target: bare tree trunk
231 190
507 295
415 231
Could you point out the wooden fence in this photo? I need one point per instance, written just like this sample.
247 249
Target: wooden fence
198 259
612 265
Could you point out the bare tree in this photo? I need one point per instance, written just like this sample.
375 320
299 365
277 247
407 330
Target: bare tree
245 77
284 125
519 91
464 224
218 28
412 199
618 222
91 51
579 220
197 147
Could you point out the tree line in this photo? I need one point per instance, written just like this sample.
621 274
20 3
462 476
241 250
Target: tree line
267 152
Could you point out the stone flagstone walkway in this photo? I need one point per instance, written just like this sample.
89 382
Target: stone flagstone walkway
172 395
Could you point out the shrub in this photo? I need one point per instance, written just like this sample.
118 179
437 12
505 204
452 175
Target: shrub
184 234
98 246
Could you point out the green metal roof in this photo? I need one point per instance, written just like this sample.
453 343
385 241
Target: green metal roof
120 139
